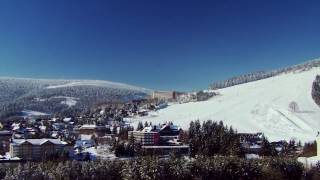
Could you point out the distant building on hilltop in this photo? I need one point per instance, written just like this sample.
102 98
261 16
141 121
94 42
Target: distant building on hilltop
166 95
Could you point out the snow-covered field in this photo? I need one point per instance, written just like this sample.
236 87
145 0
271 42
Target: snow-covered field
260 106
70 101
28 113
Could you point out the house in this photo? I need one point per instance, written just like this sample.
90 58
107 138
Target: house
169 129
35 149
250 137
67 120
143 112
92 129
58 126
310 162
251 142
85 143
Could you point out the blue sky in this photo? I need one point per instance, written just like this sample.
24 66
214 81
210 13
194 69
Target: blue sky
165 44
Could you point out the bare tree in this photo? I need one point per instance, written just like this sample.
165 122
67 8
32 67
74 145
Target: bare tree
293 107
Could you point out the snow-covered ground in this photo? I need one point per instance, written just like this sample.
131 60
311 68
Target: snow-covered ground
260 106
28 113
101 152
70 101
97 83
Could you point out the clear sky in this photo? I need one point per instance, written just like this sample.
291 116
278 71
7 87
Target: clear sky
159 44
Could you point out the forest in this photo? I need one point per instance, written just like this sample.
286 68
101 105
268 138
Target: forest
316 90
144 168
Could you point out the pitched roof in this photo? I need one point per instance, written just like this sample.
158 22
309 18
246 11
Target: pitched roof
38 141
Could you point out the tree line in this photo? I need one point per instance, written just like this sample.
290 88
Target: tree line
149 168
213 138
263 75
316 90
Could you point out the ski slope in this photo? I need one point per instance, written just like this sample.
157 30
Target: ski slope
259 106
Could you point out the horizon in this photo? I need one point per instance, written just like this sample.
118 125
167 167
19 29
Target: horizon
61 79
180 45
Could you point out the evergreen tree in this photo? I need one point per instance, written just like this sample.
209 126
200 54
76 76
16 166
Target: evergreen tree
194 137
290 148
146 124
131 146
266 148
140 126
191 138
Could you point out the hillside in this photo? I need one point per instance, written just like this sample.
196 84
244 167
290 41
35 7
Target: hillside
17 94
259 106
264 74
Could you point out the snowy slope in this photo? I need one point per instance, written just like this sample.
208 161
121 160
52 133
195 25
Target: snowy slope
97 83
260 106
28 113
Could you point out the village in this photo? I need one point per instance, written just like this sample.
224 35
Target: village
91 136
106 133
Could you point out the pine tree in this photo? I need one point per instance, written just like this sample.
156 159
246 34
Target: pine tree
291 148
266 148
140 126
192 136
131 146
146 124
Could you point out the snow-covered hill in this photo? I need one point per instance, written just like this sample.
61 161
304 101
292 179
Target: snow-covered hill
18 94
97 83
259 106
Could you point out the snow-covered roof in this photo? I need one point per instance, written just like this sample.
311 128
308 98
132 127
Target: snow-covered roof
67 119
173 127
53 119
255 146
92 126
86 137
88 126
38 141
252 156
